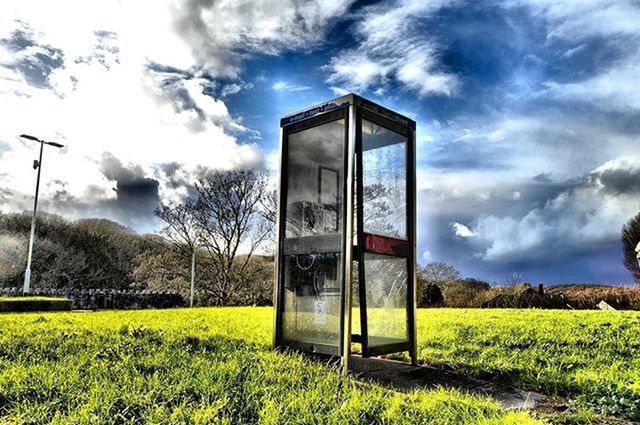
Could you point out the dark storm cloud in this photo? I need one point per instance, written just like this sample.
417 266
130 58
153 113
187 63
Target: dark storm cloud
136 194
543 178
619 181
32 60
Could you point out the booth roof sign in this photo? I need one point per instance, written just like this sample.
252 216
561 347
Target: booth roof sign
329 106
346 101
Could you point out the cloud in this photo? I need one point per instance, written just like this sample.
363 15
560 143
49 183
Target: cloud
392 47
618 176
543 178
284 86
223 35
111 101
577 220
461 230
602 31
233 88
616 88
30 60
579 20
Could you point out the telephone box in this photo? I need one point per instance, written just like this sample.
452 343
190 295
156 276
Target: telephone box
346 231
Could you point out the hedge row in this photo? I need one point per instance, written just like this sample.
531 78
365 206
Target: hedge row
22 304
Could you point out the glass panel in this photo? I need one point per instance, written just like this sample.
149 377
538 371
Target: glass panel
314 186
312 246
384 179
386 288
312 298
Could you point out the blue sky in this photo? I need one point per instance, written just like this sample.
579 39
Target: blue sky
528 112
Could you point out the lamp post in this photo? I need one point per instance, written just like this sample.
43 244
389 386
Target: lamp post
36 164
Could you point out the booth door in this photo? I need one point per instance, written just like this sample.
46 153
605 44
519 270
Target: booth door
383 237
311 272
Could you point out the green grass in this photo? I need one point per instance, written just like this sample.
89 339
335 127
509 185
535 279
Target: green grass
215 365
592 357
194 366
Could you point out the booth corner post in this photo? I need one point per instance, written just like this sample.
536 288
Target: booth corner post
346 231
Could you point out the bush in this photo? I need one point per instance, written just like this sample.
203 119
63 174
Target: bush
630 237
431 296
464 292
588 296
22 304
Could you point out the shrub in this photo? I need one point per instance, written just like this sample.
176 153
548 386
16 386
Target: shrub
630 237
431 296
464 292
22 304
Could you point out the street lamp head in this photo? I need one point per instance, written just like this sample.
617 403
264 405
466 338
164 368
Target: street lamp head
27 136
30 137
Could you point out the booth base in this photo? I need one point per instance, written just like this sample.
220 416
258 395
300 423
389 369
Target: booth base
406 378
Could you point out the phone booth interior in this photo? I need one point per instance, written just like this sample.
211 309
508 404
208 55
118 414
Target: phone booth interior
345 262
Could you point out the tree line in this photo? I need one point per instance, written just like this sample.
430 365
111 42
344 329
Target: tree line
225 230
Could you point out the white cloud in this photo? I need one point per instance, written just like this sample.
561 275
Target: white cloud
616 88
123 107
614 22
578 19
234 88
223 34
284 86
461 230
391 48
339 91
575 220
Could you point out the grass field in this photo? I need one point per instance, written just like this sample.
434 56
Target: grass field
215 365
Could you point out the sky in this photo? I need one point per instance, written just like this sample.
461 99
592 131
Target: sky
528 112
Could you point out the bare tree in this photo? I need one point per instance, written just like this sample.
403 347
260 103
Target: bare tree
630 238
269 210
182 232
438 272
228 216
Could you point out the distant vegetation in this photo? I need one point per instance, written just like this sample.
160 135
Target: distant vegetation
90 253
101 254
441 285
223 228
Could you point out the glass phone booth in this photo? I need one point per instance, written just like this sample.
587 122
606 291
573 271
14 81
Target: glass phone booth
346 231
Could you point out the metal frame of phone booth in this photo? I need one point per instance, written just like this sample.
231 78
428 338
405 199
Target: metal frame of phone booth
323 232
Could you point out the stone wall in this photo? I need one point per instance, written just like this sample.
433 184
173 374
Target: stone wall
95 299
